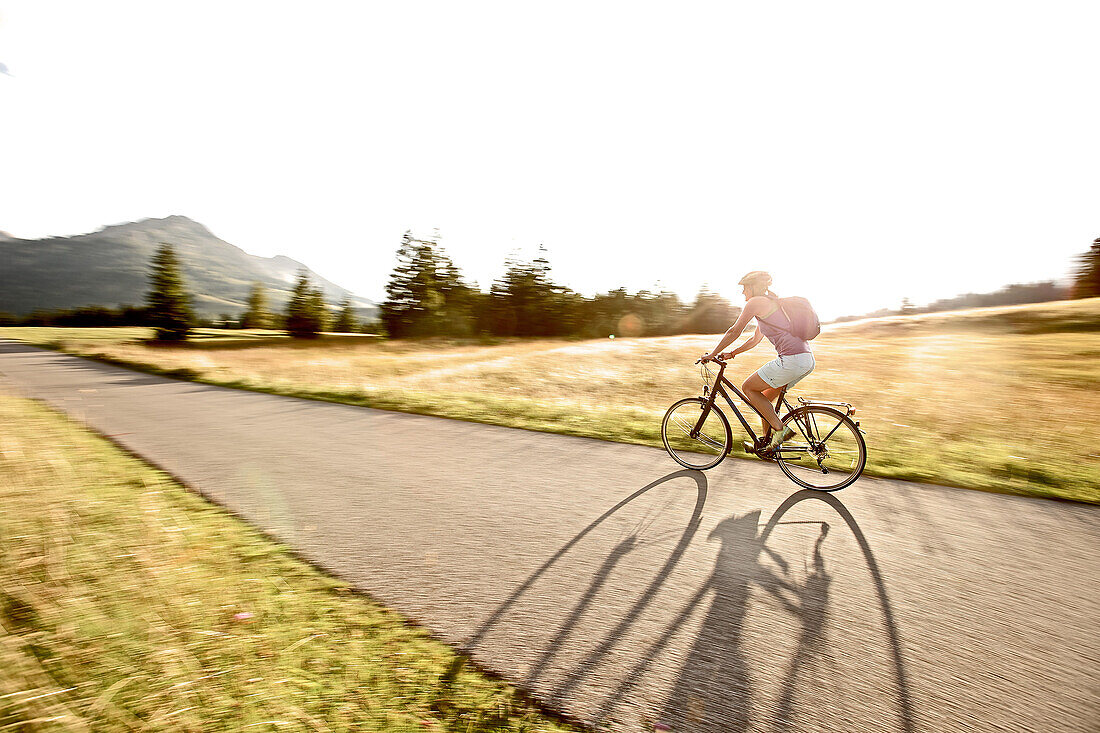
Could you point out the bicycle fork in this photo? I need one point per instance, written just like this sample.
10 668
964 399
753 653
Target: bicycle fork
694 434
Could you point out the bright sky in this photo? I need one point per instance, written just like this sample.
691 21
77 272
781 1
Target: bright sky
861 152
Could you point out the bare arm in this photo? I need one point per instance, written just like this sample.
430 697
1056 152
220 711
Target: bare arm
749 312
750 343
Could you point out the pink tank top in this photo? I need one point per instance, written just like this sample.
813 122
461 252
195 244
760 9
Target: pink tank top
785 342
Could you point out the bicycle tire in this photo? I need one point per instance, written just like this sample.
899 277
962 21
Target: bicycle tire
834 444
698 453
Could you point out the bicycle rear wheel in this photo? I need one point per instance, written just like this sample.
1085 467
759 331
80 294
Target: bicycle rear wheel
701 450
827 451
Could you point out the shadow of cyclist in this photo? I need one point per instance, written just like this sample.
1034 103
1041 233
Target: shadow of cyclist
717 670
716 663
715 689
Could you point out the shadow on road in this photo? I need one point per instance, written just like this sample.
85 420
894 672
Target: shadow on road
601 575
593 658
599 578
715 689
901 678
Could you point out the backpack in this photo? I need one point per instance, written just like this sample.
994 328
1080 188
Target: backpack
803 319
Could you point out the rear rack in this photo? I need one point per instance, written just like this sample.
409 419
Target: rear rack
846 405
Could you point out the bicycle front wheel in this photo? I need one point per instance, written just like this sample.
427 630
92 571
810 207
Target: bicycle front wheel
699 449
827 451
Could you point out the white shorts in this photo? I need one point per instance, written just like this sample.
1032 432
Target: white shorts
787 370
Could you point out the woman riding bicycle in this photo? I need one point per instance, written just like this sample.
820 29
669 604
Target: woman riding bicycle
795 361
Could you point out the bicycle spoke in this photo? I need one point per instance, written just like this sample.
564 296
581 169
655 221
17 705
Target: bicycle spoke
827 463
684 426
693 442
707 440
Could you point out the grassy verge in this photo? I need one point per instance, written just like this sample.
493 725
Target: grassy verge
127 603
998 399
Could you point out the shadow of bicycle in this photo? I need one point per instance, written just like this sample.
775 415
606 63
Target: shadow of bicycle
721 683
601 574
716 688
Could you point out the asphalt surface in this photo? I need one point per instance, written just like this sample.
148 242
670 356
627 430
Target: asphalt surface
627 593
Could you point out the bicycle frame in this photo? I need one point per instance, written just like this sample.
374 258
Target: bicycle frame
720 382
817 421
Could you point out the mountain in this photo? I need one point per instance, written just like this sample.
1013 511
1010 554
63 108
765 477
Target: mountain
110 267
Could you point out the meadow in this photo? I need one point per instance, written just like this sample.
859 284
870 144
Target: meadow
127 602
998 399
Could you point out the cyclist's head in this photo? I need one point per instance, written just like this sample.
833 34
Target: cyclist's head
756 282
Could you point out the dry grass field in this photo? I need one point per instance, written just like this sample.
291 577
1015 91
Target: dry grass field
129 603
1000 399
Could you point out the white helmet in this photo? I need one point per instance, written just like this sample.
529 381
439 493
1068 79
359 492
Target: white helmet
756 277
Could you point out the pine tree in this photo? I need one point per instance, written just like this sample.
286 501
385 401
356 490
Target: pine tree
169 310
256 315
304 311
1087 283
346 322
425 295
317 310
527 302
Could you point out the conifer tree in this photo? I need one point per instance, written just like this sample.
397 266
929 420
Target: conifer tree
526 301
256 315
345 321
1087 283
169 309
305 310
317 310
425 294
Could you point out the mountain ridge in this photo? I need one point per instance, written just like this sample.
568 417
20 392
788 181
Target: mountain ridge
110 267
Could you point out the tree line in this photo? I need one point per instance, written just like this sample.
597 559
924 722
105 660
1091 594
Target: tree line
1015 294
427 296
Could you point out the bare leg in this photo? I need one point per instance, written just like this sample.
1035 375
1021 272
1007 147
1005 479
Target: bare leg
760 394
769 394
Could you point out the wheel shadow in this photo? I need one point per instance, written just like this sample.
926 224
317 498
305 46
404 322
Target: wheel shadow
714 691
593 659
597 583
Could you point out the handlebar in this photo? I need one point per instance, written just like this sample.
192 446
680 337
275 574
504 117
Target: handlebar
715 359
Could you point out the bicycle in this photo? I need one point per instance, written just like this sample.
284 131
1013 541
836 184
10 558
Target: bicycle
826 453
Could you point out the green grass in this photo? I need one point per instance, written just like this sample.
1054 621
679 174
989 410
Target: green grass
129 603
997 399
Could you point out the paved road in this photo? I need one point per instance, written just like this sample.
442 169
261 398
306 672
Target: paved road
625 592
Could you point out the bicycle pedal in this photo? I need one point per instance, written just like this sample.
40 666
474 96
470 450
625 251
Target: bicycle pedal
749 447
